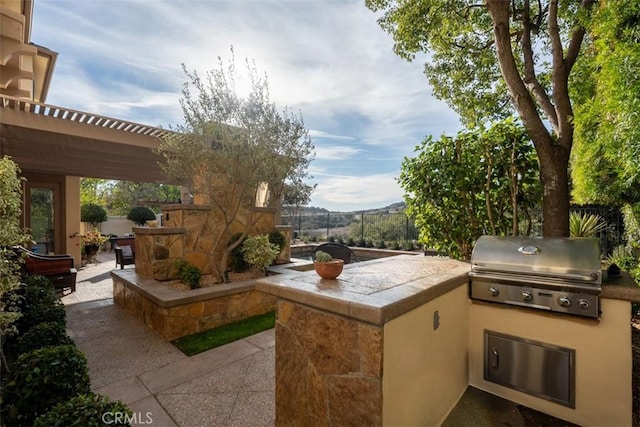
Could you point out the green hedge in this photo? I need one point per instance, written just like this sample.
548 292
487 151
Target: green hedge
42 378
86 410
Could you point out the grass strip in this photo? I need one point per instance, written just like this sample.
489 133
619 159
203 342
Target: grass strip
212 338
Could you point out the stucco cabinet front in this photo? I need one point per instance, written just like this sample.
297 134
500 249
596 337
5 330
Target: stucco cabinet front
384 344
602 358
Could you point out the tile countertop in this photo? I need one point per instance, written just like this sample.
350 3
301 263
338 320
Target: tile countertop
373 291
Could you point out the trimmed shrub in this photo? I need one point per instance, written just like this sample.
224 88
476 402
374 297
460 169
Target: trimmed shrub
189 274
140 215
277 238
92 213
38 303
44 334
259 252
86 410
351 242
42 378
408 245
381 244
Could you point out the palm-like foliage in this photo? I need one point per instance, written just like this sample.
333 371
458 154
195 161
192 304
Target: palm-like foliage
585 225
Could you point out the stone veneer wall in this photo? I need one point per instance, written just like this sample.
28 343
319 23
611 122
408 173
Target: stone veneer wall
189 232
332 366
173 321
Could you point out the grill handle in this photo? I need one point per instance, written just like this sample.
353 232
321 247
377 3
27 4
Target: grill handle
593 277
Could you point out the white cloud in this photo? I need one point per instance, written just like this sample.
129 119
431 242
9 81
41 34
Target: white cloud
329 59
325 135
356 192
335 152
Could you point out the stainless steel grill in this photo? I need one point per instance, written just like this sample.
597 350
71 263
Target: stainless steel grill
553 274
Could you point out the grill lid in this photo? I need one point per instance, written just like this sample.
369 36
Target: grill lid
576 260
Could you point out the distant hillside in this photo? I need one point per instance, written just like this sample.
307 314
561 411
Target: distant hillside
392 208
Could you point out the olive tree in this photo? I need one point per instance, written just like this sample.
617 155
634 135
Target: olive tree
229 146
489 57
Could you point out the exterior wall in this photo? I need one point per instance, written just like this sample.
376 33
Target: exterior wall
425 368
190 317
158 249
603 358
72 217
328 369
118 225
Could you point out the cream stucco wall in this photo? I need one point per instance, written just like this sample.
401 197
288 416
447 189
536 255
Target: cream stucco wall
425 370
603 358
72 217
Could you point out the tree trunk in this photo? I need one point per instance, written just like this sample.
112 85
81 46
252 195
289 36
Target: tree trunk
553 152
554 174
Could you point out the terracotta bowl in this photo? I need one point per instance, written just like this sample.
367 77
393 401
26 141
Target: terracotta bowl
329 269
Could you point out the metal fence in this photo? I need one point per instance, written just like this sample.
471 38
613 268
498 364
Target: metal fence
374 227
610 237
398 227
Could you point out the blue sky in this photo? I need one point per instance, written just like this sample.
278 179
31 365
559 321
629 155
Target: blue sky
365 107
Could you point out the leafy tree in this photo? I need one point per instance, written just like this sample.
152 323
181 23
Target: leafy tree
93 214
297 194
94 190
478 182
126 195
480 52
229 146
605 166
10 234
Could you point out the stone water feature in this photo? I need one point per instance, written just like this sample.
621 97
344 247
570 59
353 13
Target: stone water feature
188 233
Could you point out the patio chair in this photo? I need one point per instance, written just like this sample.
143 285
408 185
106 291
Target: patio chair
125 249
338 250
59 269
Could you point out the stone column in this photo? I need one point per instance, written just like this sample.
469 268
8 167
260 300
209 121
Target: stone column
328 369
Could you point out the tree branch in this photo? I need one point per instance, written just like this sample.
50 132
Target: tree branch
529 71
576 39
521 98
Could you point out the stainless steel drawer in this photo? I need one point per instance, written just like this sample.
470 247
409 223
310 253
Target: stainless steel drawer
543 370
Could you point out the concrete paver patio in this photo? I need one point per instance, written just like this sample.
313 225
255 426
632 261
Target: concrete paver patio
232 385
229 386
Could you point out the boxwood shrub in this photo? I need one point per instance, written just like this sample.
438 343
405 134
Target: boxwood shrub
86 410
38 303
40 379
43 335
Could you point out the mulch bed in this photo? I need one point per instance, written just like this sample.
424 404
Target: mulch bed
209 280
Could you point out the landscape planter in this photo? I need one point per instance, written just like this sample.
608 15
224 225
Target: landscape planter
329 269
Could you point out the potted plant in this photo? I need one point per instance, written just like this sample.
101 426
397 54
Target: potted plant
326 266
92 240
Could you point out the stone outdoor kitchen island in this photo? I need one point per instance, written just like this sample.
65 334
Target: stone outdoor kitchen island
384 344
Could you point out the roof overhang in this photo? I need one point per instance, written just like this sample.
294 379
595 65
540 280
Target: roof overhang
47 139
